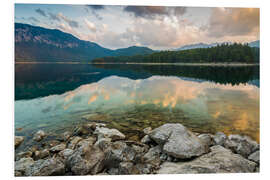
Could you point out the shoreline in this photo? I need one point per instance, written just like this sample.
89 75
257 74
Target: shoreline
133 63
94 149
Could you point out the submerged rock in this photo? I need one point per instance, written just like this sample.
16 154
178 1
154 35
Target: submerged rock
219 160
178 141
18 140
114 134
39 135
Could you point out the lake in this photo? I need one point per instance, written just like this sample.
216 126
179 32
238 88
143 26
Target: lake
131 97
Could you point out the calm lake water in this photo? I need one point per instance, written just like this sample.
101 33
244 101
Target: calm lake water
55 97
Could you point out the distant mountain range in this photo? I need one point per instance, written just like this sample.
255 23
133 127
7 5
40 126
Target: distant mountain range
204 45
33 43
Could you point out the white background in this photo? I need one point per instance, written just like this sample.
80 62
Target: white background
7 84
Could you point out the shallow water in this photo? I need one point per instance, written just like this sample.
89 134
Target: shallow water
131 105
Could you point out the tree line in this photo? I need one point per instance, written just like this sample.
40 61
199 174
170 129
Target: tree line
228 53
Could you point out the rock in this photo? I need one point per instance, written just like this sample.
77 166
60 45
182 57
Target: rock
18 140
242 145
206 139
22 164
146 139
147 130
18 173
219 160
177 141
73 142
144 168
163 157
84 129
26 154
255 157
113 171
220 138
103 143
39 135
66 135
42 154
126 168
86 159
65 153
118 152
48 167
58 148
114 134
153 156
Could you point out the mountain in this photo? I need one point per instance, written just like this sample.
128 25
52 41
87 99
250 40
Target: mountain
204 45
33 43
255 44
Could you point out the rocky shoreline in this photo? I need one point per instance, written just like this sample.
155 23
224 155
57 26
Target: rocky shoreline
94 149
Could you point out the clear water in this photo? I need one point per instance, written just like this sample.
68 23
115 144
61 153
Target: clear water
131 104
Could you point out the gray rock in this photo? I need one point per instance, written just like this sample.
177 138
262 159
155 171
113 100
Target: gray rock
126 168
39 135
243 145
22 164
41 154
147 130
114 134
26 154
66 153
153 156
255 157
66 135
86 160
219 160
113 171
178 141
146 139
103 143
118 152
206 139
85 129
220 138
58 148
18 140
73 142
48 167
144 168
86 142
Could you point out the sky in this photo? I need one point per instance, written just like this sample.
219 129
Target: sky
157 27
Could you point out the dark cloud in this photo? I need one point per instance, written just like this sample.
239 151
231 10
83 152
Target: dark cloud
41 12
153 11
96 7
234 22
33 19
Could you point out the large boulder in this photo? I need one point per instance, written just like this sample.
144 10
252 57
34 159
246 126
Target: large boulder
38 136
86 159
113 134
219 160
48 167
18 140
178 141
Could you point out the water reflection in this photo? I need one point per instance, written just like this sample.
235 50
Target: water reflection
131 105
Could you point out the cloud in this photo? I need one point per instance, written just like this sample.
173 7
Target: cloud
58 17
90 25
71 22
41 12
94 9
234 22
154 11
33 19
